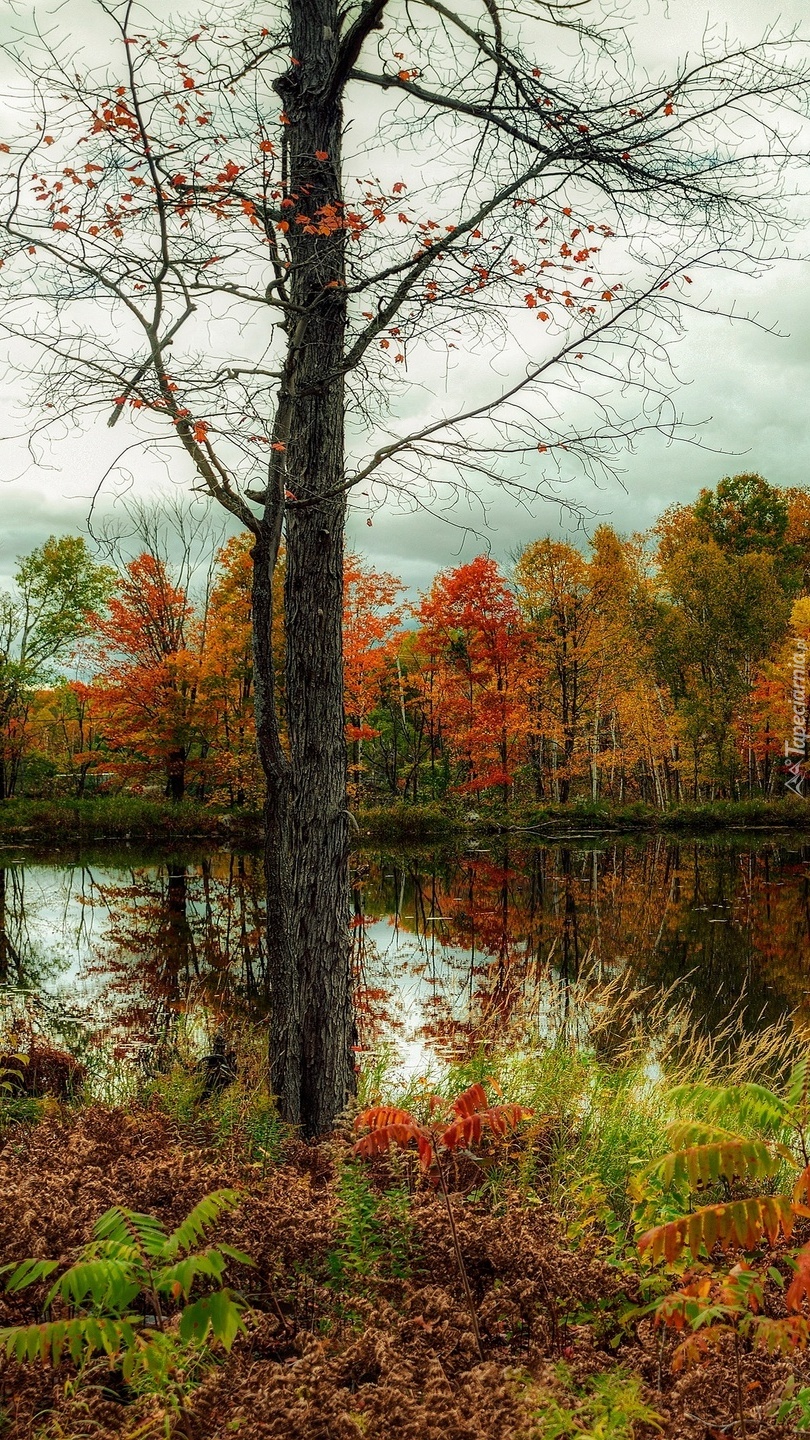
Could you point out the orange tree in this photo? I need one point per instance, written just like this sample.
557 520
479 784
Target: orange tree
147 681
372 626
246 287
227 682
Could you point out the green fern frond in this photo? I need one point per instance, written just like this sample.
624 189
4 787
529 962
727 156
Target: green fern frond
220 1314
109 1283
700 1166
683 1133
127 1227
28 1273
80 1337
193 1228
131 1255
179 1277
798 1091
748 1104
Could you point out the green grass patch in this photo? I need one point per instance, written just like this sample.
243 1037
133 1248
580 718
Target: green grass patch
132 818
120 817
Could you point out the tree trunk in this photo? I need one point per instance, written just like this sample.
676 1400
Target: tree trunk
176 776
306 856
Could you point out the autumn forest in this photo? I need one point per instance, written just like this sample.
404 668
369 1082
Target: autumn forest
404 946
657 667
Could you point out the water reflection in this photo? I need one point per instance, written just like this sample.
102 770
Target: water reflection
449 947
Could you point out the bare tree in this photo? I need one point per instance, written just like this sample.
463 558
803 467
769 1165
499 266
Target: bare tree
178 531
252 242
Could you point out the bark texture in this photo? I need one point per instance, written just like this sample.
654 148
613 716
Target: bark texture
306 816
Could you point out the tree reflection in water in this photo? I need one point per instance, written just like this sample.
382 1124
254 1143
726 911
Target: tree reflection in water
451 949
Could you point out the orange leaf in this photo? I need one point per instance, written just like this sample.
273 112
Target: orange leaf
799 1288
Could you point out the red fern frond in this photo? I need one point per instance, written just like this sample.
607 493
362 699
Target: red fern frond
799 1288
391 1127
740 1224
501 1120
382 1115
470 1101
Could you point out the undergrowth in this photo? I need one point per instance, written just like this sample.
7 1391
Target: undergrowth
373 1230
607 1407
621 1125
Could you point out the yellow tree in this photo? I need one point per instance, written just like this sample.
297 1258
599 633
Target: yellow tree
779 706
554 590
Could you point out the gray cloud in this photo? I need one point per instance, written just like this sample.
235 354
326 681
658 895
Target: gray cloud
747 386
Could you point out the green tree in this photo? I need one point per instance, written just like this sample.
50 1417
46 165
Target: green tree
57 588
744 515
715 617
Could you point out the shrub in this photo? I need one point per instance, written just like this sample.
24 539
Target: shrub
120 1289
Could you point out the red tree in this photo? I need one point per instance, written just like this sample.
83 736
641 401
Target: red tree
372 628
147 680
471 624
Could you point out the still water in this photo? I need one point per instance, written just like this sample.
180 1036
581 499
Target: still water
109 948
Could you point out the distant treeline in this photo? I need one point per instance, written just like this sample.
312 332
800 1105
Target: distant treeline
664 667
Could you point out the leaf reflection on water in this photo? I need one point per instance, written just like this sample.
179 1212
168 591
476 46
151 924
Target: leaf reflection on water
451 949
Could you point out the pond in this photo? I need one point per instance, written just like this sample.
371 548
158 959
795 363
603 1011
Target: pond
106 950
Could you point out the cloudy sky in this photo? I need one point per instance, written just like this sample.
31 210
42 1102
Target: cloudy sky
744 389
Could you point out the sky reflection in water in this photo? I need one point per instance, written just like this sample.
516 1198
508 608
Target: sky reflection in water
451 948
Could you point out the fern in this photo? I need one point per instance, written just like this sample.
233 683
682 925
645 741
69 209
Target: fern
702 1165
711 1310
607 1407
201 1218
461 1123
373 1230
682 1133
129 1259
749 1104
738 1224
361 1248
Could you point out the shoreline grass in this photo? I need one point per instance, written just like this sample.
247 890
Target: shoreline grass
32 822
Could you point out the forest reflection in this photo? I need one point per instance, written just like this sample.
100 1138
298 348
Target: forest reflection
451 948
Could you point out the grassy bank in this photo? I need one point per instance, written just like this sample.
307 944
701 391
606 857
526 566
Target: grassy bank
451 821
132 819
121 817
356 1320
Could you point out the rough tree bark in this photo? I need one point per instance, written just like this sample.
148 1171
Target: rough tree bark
306 808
